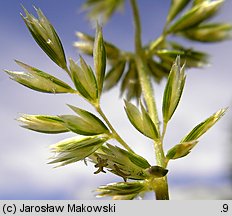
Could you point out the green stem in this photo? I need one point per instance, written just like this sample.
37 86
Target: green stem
142 67
137 26
159 185
154 44
114 132
147 89
164 130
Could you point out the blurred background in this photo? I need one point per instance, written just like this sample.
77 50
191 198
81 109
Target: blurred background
24 172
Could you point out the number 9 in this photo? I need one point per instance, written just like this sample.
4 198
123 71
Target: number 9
225 208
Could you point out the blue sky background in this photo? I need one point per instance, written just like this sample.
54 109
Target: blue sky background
24 173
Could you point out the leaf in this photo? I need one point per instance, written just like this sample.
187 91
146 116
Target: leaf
141 121
209 33
45 36
89 117
170 53
134 116
130 84
76 148
99 56
38 80
181 150
191 57
104 9
116 158
196 59
79 79
122 190
148 125
195 2
84 80
112 52
157 70
90 79
196 15
137 160
84 47
82 126
114 75
176 7
42 123
87 42
204 126
78 125
173 90
85 37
